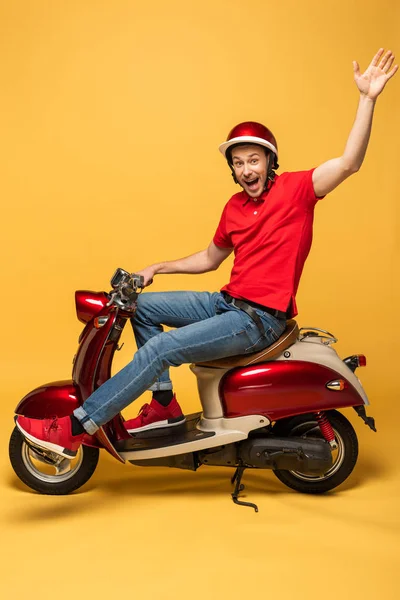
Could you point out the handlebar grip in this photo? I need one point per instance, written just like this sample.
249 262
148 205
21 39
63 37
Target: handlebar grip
138 280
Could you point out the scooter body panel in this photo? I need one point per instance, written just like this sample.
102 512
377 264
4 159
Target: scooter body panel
290 384
282 389
92 363
312 350
208 385
89 304
58 398
226 431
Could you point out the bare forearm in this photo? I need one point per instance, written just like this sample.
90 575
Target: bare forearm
330 174
200 262
358 139
195 263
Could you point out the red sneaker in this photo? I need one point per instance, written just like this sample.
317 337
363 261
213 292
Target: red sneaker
156 416
51 434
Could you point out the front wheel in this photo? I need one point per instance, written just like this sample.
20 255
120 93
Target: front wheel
344 456
50 473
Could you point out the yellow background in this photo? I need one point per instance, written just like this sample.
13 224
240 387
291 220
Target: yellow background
110 115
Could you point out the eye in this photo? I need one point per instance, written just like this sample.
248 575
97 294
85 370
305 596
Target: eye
254 161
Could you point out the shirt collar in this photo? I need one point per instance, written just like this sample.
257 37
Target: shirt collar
260 199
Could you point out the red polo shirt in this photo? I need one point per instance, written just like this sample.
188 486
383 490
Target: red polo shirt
271 237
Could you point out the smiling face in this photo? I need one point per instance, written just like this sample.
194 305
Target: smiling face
250 165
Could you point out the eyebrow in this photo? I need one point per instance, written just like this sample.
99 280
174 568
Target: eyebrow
251 155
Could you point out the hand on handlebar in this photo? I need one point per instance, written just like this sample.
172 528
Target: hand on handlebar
147 274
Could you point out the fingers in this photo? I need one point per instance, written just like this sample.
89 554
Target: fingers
356 68
377 56
146 281
384 61
388 65
393 71
387 58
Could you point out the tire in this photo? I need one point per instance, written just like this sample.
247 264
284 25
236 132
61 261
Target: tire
344 458
38 470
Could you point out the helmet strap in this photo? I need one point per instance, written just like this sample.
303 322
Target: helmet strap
271 173
233 173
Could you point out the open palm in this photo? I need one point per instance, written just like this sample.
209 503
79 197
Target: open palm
374 79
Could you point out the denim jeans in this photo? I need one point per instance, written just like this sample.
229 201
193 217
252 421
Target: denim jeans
207 328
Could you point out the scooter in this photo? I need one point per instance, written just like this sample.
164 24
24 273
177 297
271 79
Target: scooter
275 409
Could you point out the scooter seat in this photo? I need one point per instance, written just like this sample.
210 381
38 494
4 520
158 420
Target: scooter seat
288 337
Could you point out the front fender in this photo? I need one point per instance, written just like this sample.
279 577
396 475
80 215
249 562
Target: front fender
56 399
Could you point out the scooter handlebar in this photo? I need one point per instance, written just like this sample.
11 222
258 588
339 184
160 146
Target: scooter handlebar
123 278
125 289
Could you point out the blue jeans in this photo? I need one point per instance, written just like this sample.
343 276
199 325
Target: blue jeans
207 328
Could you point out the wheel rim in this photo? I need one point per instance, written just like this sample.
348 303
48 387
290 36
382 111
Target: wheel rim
49 467
312 430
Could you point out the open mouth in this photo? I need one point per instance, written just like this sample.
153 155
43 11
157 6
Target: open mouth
252 185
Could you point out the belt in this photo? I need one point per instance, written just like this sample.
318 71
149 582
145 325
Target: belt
248 307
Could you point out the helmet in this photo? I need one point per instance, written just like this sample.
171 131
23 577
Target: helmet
250 132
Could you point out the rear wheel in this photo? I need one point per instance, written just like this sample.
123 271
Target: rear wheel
344 456
50 473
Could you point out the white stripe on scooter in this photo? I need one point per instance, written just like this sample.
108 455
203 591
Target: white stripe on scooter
226 431
157 425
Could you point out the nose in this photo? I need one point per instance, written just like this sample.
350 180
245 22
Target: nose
246 170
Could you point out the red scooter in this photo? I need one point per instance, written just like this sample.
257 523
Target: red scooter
275 409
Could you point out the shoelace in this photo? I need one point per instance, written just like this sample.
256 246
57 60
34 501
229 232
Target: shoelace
144 411
53 424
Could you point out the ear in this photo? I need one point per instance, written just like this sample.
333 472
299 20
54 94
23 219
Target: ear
273 162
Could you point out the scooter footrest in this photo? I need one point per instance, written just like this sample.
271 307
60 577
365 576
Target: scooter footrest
168 436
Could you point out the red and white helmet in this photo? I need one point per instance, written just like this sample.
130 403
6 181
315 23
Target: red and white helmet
250 132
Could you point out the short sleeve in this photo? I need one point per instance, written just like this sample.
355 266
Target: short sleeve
304 189
221 237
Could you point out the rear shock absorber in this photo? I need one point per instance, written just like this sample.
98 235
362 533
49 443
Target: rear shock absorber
326 428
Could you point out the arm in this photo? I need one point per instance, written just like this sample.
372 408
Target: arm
200 262
330 174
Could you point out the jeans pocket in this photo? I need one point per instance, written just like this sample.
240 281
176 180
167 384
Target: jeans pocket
272 333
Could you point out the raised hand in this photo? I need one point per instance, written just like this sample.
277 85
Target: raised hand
374 79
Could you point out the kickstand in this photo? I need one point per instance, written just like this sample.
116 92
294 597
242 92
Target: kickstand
239 487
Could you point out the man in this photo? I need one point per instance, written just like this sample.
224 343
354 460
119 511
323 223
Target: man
269 227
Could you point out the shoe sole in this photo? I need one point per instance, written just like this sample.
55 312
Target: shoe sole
47 445
158 425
